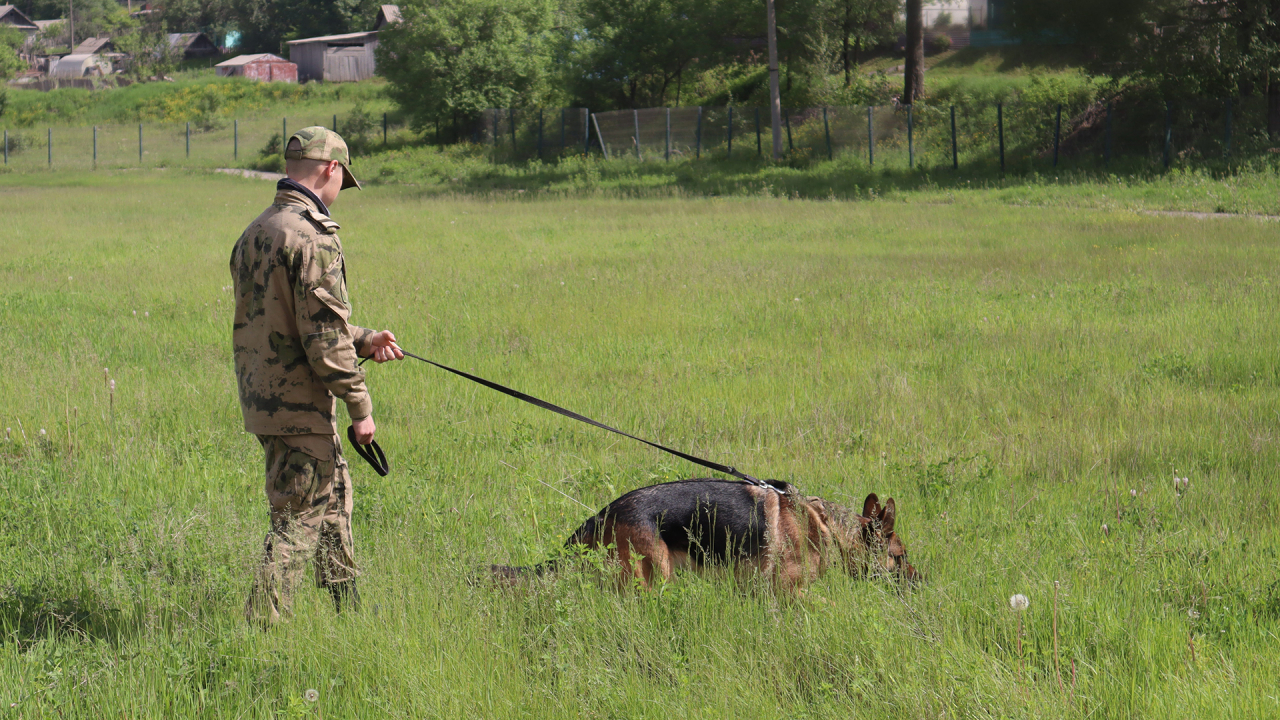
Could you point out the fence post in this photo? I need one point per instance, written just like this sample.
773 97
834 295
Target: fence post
1227 141
95 147
759 151
599 138
955 155
139 143
1168 131
826 128
1000 131
586 132
635 119
668 154
1107 148
1057 133
698 137
911 138
871 140
49 145
729 155
790 147
188 139
235 139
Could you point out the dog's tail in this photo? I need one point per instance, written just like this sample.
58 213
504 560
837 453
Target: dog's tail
585 535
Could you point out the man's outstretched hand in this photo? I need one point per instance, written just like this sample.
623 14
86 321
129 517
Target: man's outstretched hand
384 349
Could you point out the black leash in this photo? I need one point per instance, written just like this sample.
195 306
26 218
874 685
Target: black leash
709 464
372 453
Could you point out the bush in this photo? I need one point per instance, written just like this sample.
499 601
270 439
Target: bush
941 43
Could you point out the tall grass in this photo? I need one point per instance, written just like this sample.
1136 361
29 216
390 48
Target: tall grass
1016 378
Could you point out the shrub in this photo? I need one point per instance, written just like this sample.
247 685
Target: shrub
941 42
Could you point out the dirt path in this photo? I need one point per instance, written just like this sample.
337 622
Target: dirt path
252 174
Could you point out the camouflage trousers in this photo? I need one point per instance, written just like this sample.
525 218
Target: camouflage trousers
309 491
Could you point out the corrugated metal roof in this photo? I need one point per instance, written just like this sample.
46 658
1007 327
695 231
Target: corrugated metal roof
246 59
368 35
92 45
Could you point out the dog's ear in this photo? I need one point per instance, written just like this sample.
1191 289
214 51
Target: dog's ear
887 516
871 506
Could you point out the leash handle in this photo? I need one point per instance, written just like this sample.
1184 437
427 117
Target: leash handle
372 453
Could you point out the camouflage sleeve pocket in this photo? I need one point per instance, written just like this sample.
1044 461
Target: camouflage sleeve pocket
332 302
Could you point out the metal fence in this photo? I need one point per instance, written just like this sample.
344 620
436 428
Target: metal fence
1016 136
219 143
1008 136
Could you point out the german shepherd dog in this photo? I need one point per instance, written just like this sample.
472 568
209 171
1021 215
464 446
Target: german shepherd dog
790 538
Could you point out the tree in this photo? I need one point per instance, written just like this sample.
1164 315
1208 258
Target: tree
913 77
10 42
633 53
1178 48
215 17
455 58
859 24
267 25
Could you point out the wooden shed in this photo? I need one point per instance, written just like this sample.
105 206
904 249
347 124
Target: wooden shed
94 46
264 67
386 14
335 58
10 15
193 45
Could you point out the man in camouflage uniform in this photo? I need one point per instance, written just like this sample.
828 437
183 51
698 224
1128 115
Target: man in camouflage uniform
295 354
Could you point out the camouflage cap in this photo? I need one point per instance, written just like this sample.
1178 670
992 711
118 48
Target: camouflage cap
320 143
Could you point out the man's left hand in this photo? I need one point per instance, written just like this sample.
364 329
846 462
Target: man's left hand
384 347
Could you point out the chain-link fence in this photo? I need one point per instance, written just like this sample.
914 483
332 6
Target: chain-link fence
229 142
1015 136
1008 136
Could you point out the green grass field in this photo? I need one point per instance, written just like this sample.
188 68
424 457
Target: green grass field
1025 381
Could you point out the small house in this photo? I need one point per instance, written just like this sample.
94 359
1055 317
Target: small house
193 45
386 14
263 67
72 67
335 58
11 16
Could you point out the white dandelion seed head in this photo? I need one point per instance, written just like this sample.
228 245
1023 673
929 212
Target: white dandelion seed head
135 313
1191 613
1105 530
68 278
111 385
1019 602
42 432
311 695
146 314
1133 493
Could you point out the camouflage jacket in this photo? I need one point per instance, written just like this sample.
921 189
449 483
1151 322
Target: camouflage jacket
295 350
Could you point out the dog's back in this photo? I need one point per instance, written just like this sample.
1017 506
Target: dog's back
704 522
708 521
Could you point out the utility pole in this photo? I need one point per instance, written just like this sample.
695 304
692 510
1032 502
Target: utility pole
71 23
913 78
775 101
